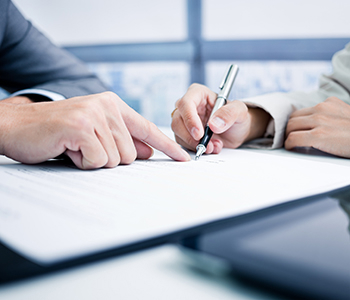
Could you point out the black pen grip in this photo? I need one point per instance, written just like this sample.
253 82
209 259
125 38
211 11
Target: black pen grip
206 137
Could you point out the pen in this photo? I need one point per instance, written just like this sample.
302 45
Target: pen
225 89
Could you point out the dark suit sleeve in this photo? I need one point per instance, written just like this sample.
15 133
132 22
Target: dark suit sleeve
29 60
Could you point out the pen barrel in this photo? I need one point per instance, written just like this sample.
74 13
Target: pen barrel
206 137
226 85
220 102
225 88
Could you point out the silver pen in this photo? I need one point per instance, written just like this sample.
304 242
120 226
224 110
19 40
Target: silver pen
225 89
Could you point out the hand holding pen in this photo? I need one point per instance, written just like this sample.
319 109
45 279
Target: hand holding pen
225 89
232 124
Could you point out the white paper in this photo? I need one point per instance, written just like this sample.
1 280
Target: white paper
52 212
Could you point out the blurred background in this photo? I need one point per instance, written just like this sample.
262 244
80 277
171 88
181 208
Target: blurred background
149 52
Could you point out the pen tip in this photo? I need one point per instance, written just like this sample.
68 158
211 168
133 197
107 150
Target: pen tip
200 150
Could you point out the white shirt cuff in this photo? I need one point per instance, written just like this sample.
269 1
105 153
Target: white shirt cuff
51 95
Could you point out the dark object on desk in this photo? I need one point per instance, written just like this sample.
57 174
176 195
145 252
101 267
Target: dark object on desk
223 238
301 249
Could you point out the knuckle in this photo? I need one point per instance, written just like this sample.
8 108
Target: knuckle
332 99
288 145
151 127
129 157
242 105
200 88
108 98
79 121
96 163
320 106
187 117
318 133
113 162
291 137
181 103
108 95
327 105
319 119
290 124
147 129
195 86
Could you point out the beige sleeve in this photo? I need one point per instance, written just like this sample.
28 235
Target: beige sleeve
281 105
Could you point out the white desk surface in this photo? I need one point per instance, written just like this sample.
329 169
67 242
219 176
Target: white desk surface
159 273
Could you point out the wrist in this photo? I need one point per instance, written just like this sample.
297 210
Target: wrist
259 119
6 113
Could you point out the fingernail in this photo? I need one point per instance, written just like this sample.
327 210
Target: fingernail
194 132
218 122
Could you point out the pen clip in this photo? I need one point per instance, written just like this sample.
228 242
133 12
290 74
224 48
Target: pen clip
225 77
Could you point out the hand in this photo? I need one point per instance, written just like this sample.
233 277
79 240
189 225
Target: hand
94 131
325 127
232 125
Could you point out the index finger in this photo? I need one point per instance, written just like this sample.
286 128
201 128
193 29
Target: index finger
149 133
193 105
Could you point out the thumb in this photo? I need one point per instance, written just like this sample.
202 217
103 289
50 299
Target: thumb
231 113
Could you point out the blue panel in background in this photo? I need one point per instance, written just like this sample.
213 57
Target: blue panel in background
194 29
173 51
150 77
291 49
197 52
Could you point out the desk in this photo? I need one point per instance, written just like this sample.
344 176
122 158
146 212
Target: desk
159 273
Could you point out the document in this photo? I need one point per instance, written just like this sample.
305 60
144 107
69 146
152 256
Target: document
51 212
